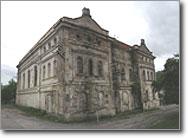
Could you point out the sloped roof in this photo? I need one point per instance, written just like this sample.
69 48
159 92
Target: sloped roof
87 22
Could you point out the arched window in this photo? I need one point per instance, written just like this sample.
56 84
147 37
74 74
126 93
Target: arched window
44 71
90 67
35 76
79 65
49 69
28 78
100 68
23 81
144 75
122 74
55 67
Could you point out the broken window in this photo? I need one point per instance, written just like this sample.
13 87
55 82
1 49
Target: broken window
35 76
79 65
100 68
90 67
49 69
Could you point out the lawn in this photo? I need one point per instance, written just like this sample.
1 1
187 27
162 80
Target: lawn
169 122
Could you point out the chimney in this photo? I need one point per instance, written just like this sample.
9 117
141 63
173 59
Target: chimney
86 12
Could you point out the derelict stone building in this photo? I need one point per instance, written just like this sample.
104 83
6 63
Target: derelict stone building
76 69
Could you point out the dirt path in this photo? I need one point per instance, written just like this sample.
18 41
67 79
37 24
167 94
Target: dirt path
12 118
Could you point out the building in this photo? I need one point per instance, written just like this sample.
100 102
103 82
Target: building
76 69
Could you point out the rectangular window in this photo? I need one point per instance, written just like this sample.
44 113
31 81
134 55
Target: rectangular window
28 78
44 71
23 81
49 69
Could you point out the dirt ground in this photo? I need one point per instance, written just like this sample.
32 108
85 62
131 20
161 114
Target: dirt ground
12 118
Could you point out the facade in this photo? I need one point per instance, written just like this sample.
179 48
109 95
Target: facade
76 69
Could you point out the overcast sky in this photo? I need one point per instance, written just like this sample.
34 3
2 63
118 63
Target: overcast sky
24 23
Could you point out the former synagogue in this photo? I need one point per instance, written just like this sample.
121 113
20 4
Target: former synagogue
76 69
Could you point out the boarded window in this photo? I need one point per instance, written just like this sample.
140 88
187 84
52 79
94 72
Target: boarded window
79 65
100 68
49 69
90 67
29 78
35 76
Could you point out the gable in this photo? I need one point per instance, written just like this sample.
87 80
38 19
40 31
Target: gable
87 22
144 49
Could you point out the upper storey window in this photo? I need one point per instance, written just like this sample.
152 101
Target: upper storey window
144 75
90 67
44 49
49 69
55 40
23 81
55 67
100 68
122 74
29 78
44 71
35 76
80 65
49 45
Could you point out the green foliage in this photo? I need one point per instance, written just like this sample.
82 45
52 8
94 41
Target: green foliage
171 80
168 80
8 92
158 84
169 122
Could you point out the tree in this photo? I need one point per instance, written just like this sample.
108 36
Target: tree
168 81
171 80
8 92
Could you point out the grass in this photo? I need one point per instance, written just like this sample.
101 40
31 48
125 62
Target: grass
59 118
29 111
169 122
